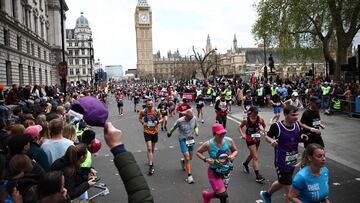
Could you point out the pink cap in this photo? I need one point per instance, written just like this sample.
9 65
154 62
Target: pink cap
33 130
218 129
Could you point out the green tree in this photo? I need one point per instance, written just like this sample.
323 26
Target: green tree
307 24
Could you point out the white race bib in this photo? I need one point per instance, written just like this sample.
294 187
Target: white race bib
150 124
291 158
256 135
190 141
316 123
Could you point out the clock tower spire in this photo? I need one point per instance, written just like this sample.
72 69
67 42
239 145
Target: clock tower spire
144 48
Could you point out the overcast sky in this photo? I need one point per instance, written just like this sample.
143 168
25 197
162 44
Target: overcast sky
177 24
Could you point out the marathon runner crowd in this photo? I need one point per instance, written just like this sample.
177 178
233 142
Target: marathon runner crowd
47 140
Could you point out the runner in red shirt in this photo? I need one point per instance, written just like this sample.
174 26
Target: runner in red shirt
183 107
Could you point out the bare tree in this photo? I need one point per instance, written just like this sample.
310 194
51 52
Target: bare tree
204 63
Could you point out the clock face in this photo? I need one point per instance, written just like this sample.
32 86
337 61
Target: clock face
143 18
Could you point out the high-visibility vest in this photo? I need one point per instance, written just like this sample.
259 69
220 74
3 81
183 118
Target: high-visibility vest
326 90
214 93
337 105
88 161
273 91
208 92
260 92
198 92
228 94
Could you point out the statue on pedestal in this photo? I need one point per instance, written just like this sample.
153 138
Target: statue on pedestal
271 63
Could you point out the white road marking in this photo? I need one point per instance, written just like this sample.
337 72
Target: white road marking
156 149
106 155
336 184
236 121
138 151
357 179
171 147
259 201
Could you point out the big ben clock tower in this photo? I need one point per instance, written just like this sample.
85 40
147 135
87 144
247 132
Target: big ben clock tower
144 50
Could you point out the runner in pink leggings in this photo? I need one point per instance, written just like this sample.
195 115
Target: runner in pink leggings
222 152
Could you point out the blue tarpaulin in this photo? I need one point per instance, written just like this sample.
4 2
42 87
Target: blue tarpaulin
357 105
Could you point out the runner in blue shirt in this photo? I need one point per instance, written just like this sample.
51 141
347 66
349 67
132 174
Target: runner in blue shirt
310 184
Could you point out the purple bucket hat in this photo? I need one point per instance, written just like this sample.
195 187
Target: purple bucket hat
94 111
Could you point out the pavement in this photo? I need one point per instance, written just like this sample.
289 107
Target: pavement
168 183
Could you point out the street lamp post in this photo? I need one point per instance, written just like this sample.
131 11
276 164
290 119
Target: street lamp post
63 77
265 67
91 60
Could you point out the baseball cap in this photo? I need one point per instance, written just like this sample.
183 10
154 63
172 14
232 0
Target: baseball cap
94 111
17 142
315 99
218 129
295 94
33 130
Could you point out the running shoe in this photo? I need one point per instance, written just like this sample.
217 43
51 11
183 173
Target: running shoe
265 196
246 168
202 121
207 196
182 163
165 128
190 179
151 170
259 178
162 129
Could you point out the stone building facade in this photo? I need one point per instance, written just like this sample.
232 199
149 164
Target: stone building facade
174 66
80 51
30 41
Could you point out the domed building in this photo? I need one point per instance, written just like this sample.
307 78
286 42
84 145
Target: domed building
80 51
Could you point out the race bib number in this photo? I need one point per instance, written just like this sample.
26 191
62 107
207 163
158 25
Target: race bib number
316 123
291 157
256 135
190 141
277 104
163 112
150 124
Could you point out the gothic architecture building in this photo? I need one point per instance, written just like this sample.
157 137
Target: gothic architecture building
80 51
30 41
144 48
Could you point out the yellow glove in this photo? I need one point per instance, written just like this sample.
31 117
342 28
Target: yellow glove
196 131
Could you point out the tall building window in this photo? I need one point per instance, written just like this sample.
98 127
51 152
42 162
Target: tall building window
83 52
76 61
34 75
42 29
29 75
24 14
45 55
71 61
19 42
76 52
71 71
6 37
70 52
76 44
83 62
40 76
32 49
84 71
39 52
21 75
28 47
36 24
70 44
8 73
14 8
46 77
40 4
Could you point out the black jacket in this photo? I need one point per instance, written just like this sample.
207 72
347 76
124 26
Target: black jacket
76 184
133 179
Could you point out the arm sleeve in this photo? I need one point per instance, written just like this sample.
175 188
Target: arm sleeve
133 179
273 131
